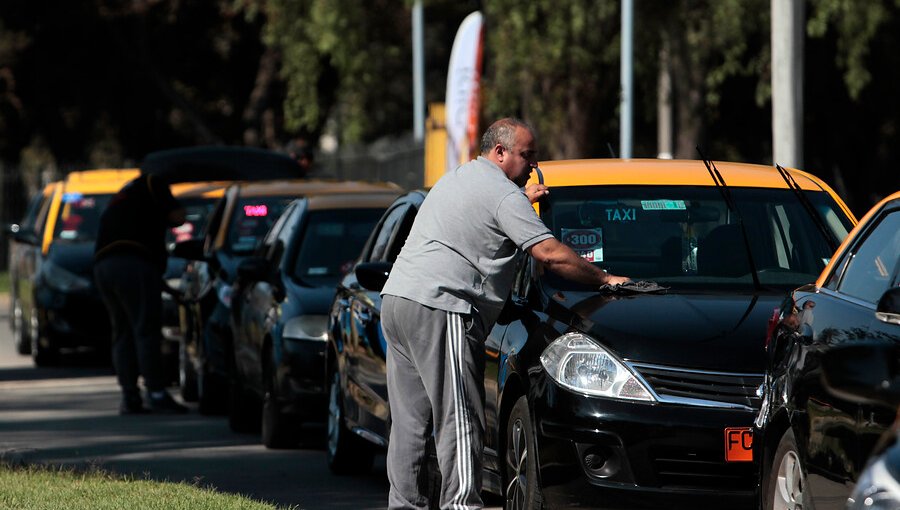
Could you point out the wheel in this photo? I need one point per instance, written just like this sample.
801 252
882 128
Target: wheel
346 452
17 323
43 352
522 491
187 374
243 410
786 484
278 430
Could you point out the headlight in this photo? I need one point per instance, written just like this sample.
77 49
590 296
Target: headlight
876 489
224 292
62 279
307 327
580 364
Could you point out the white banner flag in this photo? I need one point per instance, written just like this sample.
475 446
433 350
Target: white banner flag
462 99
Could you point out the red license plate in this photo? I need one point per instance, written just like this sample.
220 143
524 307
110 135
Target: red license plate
738 444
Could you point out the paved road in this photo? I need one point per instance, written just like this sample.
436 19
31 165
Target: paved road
68 415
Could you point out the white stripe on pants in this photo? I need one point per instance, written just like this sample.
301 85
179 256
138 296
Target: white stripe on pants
435 377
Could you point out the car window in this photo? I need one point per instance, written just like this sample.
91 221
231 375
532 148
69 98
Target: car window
330 242
197 212
401 232
250 221
872 264
282 232
687 236
31 214
78 219
391 220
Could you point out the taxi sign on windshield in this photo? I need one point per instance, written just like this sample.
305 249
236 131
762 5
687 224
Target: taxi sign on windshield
738 444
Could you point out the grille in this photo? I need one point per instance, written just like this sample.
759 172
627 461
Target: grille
711 386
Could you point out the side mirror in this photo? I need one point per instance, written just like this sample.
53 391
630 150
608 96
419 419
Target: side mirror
253 269
373 275
191 249
888 309
23 235
863 372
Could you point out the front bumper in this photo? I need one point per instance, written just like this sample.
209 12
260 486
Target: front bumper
302 379
73 319
595 452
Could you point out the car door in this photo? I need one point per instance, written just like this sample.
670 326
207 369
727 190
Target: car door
842 433
256 303
366 346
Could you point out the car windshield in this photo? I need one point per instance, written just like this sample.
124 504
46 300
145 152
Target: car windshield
683 236
252 219
196 210
330 242
79 217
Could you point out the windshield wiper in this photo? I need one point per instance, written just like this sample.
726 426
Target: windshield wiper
732 206
804 200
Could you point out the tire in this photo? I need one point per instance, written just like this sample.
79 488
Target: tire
345 452
278 430
786 483
43 353
187 374
243 409
17 324
523 490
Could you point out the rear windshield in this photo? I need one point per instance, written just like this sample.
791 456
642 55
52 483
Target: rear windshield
79 217
687 236
330 242
197 210
252 219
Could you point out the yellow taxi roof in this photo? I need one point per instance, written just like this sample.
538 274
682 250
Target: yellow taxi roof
211 189
285 187
361 200
674 172
104 180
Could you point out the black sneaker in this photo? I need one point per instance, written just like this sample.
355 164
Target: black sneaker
132 405
164 404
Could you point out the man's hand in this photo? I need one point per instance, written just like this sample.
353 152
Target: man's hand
616 280
534 192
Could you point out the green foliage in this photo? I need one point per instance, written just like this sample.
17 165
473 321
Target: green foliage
346 61
51 489
856 25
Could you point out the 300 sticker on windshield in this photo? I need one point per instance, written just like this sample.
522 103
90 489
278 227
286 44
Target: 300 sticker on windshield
587 242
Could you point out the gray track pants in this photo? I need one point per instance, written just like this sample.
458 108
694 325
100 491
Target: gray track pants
435 378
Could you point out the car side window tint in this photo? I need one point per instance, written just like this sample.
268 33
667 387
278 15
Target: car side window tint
522 283
398 239
391 219
869 271
274 240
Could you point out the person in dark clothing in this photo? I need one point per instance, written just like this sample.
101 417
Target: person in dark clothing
129 263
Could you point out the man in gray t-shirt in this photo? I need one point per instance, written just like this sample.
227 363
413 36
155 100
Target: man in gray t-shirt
443 295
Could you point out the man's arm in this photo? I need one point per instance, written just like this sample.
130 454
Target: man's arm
563 261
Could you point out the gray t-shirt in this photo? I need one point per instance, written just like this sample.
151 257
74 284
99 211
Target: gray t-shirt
460 254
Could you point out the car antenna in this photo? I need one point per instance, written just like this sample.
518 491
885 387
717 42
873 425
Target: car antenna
732 206
612 152
804 200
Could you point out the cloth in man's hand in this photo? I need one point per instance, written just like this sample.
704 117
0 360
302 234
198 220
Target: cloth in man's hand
634 287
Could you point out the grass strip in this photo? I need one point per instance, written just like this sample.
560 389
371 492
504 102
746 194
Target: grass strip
49 488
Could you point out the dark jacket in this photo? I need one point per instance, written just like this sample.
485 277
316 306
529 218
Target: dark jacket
135 221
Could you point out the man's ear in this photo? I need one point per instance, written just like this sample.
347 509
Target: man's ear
500 151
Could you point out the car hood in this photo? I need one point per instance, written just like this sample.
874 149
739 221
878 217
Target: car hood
304 300
717 332
77 258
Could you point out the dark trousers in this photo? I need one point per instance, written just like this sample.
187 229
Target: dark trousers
131 288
